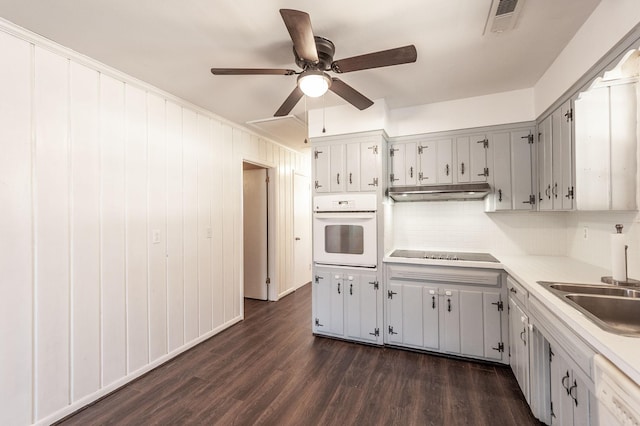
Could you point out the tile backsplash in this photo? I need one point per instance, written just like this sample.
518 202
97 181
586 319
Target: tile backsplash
464 225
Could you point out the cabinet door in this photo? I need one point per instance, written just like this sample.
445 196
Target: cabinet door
336 167
501 147
492 314
398 172
518 339
545 142
561 409
462 159
322 301
521 169
369 166
566 191
427 163
353 170
321 166
430 318
471 323
450 314
412 314
394 313
624 145
445 161
478 146
410 165
579 398
361 306
337 304
557 161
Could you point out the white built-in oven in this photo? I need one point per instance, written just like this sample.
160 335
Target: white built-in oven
344 230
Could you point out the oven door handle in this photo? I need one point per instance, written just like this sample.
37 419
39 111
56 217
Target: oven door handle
348 216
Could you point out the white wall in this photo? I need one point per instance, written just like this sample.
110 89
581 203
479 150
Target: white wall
94 164
463 225
498 108
344 119
607 25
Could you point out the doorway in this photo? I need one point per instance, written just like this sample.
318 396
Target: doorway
301 230
255 196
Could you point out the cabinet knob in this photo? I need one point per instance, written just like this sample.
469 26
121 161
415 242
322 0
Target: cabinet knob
462 168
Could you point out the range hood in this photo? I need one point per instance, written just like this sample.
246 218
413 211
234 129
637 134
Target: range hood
461 191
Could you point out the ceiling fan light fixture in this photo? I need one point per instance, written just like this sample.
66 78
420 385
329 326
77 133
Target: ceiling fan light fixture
314 83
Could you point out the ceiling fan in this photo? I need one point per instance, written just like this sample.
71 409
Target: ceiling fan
314 55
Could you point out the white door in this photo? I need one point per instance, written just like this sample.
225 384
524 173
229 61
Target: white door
450 312
427 163
477 158
336 168
430 318
321 168
353 167
521 170
301 230
502 170
397 175
444 161
369 158
255 233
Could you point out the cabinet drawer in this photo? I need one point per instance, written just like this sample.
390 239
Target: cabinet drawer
518 292
446 274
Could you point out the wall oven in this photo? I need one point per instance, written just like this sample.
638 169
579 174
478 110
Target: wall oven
344 230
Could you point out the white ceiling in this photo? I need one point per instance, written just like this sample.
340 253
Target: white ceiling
172 44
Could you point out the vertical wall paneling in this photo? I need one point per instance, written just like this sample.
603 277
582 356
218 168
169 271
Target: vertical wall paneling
204 222
16 260
157 226
228 197
136 228
51 232
217 245
96 167
85 230
112 150
175 221
190 222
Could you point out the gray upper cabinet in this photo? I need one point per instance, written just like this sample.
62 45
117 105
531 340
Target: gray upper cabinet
555 159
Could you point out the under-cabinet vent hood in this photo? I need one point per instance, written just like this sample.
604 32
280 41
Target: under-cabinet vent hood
464 191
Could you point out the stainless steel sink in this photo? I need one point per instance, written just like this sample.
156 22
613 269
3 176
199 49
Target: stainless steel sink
620 314
604 290
613 308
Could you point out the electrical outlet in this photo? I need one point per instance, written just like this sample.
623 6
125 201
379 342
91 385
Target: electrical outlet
585 233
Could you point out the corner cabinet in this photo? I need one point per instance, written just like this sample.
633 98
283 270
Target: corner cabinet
347 303
350 163
457 311
512 152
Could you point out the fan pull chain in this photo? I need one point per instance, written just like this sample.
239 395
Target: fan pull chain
324 117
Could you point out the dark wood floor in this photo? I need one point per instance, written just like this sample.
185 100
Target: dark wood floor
271 370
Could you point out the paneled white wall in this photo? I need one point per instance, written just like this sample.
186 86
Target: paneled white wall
463 225
120 226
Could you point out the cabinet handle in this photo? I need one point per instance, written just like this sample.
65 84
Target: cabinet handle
317 185
547 191
351 289
522 333
338 178
339 288
350 181
411 171
555 190
563 379
513 290
446 170
462 168
500 195
449 304
570 392
433 302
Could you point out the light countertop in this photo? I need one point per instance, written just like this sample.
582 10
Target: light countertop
622 351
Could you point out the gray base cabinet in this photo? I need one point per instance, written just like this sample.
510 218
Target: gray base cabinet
347 304
457 311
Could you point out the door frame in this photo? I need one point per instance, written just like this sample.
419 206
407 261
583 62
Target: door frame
272 291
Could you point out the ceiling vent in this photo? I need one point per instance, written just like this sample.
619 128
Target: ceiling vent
503 15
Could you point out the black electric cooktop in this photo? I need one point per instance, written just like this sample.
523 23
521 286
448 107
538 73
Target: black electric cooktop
445 255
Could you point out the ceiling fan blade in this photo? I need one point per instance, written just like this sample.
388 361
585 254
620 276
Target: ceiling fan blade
350 94
251 71
299 27
289 103
384 58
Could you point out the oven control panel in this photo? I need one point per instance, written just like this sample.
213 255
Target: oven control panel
345 203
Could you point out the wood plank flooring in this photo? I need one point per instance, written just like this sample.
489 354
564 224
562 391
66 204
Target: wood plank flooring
269 369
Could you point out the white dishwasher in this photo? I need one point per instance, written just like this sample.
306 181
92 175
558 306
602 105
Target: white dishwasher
618 396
